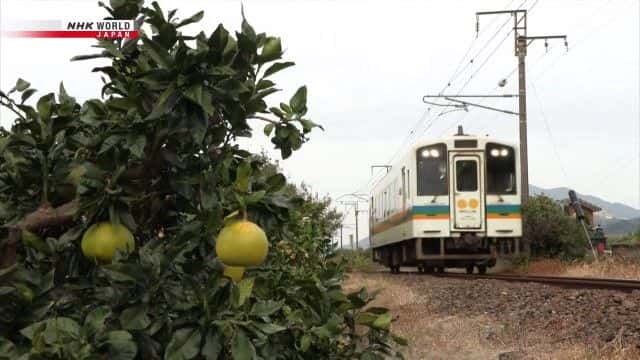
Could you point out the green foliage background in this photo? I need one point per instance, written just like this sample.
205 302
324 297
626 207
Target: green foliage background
158 153
550 231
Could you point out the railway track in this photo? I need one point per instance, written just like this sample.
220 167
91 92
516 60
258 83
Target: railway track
591 283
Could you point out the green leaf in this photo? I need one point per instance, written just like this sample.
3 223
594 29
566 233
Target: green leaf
53 330
245 288
277 67
32 240
165 101
276 182
243 174
298 101
27 94
95 320
246 28
109 143
87 57
137 146
242 348
135 318
307 125
254 197
63 96
382 321
44 106
184 345
20 86
190 20
159 54
266 307
121 345
269 128
33 329
305 342
269 328
212 345
365 318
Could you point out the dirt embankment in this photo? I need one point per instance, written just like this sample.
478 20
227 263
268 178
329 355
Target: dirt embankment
487 319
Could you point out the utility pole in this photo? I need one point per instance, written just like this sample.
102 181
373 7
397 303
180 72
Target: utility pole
522 41
356 213
355 207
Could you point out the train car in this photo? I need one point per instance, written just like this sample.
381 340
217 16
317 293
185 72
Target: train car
448 203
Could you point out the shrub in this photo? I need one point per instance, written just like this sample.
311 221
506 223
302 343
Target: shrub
550 231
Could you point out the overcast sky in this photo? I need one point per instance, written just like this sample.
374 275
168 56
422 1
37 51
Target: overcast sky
367 65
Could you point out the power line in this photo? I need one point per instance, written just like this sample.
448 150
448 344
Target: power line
548 128
453 77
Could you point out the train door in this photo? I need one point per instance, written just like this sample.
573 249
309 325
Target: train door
468 202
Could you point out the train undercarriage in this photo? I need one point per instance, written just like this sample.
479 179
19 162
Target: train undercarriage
436 254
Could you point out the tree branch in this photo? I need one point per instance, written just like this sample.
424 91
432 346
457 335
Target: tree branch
264 119
44 216
10 105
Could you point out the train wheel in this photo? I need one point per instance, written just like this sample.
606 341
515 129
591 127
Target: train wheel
469 269
482 269
428 269
440 269
420 269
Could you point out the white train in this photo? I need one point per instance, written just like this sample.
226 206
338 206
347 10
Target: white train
454 202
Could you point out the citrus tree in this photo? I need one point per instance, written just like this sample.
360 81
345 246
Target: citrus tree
156 157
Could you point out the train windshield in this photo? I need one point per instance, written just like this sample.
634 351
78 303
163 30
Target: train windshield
432 170
501 169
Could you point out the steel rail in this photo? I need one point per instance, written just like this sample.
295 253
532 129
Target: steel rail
581 282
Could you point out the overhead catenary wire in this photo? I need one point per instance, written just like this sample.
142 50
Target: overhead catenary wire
550 49
549 132
423 118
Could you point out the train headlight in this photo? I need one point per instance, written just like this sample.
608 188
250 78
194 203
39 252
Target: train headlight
495 152
504 152
434 153
425 153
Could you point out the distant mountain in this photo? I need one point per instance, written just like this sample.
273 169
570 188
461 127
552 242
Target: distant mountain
622 227
611 210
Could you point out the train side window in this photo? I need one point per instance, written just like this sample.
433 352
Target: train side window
432 170
501 169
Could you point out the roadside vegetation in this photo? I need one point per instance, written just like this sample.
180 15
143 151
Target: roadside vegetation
359 260
156 161
551 232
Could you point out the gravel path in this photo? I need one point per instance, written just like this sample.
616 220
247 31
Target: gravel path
506 320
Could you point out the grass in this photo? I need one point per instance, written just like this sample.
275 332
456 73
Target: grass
627 240
621 267
358 260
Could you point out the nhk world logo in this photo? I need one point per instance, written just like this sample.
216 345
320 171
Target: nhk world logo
100 29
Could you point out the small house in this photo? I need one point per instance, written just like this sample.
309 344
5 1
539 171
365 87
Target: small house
587 208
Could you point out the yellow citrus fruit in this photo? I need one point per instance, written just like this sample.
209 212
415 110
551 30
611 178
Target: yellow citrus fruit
242 243
234 272
102 240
